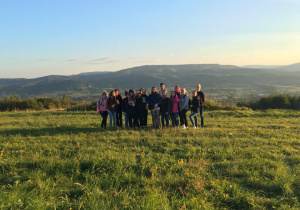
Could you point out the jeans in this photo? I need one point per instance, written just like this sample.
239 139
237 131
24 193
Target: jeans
194 114
164 117
104 118
126 120
174 117
155 118
112 117
202 115
183 119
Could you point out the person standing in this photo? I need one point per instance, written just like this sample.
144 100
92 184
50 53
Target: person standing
195 106
111 105
202 100
119 108
174 112
177 92
165 108
154 101
101 108
142 108
124 102
162 88
131 109
184 107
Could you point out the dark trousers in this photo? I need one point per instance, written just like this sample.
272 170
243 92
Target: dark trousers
174 117
143 117
132 120
202 115
183 118
104 119
119 118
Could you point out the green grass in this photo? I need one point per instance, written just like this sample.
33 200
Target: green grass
63 160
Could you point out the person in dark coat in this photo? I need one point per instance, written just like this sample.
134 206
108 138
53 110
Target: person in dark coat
165 108
142 108
154 101
131 109
119 108
202 100
111 105
195 107
124 102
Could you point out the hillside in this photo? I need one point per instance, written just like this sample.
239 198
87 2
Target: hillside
64 160
221 82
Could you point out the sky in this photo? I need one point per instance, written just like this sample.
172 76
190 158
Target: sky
62 37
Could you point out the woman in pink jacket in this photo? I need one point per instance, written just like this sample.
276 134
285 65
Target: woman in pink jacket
174 112
101 108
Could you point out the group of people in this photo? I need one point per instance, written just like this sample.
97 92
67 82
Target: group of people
135 106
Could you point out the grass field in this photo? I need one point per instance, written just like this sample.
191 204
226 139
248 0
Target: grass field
63 160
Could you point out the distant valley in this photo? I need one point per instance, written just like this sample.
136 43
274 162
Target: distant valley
224 83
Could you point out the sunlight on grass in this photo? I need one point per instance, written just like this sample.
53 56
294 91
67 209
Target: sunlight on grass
240 160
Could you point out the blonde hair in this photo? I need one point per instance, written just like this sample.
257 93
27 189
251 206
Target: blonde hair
184 91
199 86
104 93
194 93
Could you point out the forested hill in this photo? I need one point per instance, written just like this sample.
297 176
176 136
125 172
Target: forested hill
222 82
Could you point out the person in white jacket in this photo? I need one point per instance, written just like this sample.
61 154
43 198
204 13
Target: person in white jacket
184 107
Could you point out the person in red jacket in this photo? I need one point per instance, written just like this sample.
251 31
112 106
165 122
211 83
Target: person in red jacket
174 111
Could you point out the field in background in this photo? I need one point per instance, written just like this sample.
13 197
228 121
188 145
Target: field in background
241 159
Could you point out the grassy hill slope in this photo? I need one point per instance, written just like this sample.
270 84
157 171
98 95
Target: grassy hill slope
240 160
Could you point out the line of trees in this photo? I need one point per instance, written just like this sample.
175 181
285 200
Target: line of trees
281 101
14 103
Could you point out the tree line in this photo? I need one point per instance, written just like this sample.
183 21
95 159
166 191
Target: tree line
274 101
14 103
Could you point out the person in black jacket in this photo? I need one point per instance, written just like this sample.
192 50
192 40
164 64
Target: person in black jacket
165 108
142 108
130 109
195 106
154 101
119 108
124 102
202 100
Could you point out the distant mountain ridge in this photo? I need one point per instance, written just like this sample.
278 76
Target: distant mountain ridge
219 81
292 67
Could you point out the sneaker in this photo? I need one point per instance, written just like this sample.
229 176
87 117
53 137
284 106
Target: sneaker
194 127
183 127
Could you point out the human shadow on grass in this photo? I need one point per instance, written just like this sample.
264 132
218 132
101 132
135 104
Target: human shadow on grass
62 130
48 113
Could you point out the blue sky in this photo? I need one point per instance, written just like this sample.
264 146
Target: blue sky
62 37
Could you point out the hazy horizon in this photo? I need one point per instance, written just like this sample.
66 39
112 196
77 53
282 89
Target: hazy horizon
63 38
258 66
